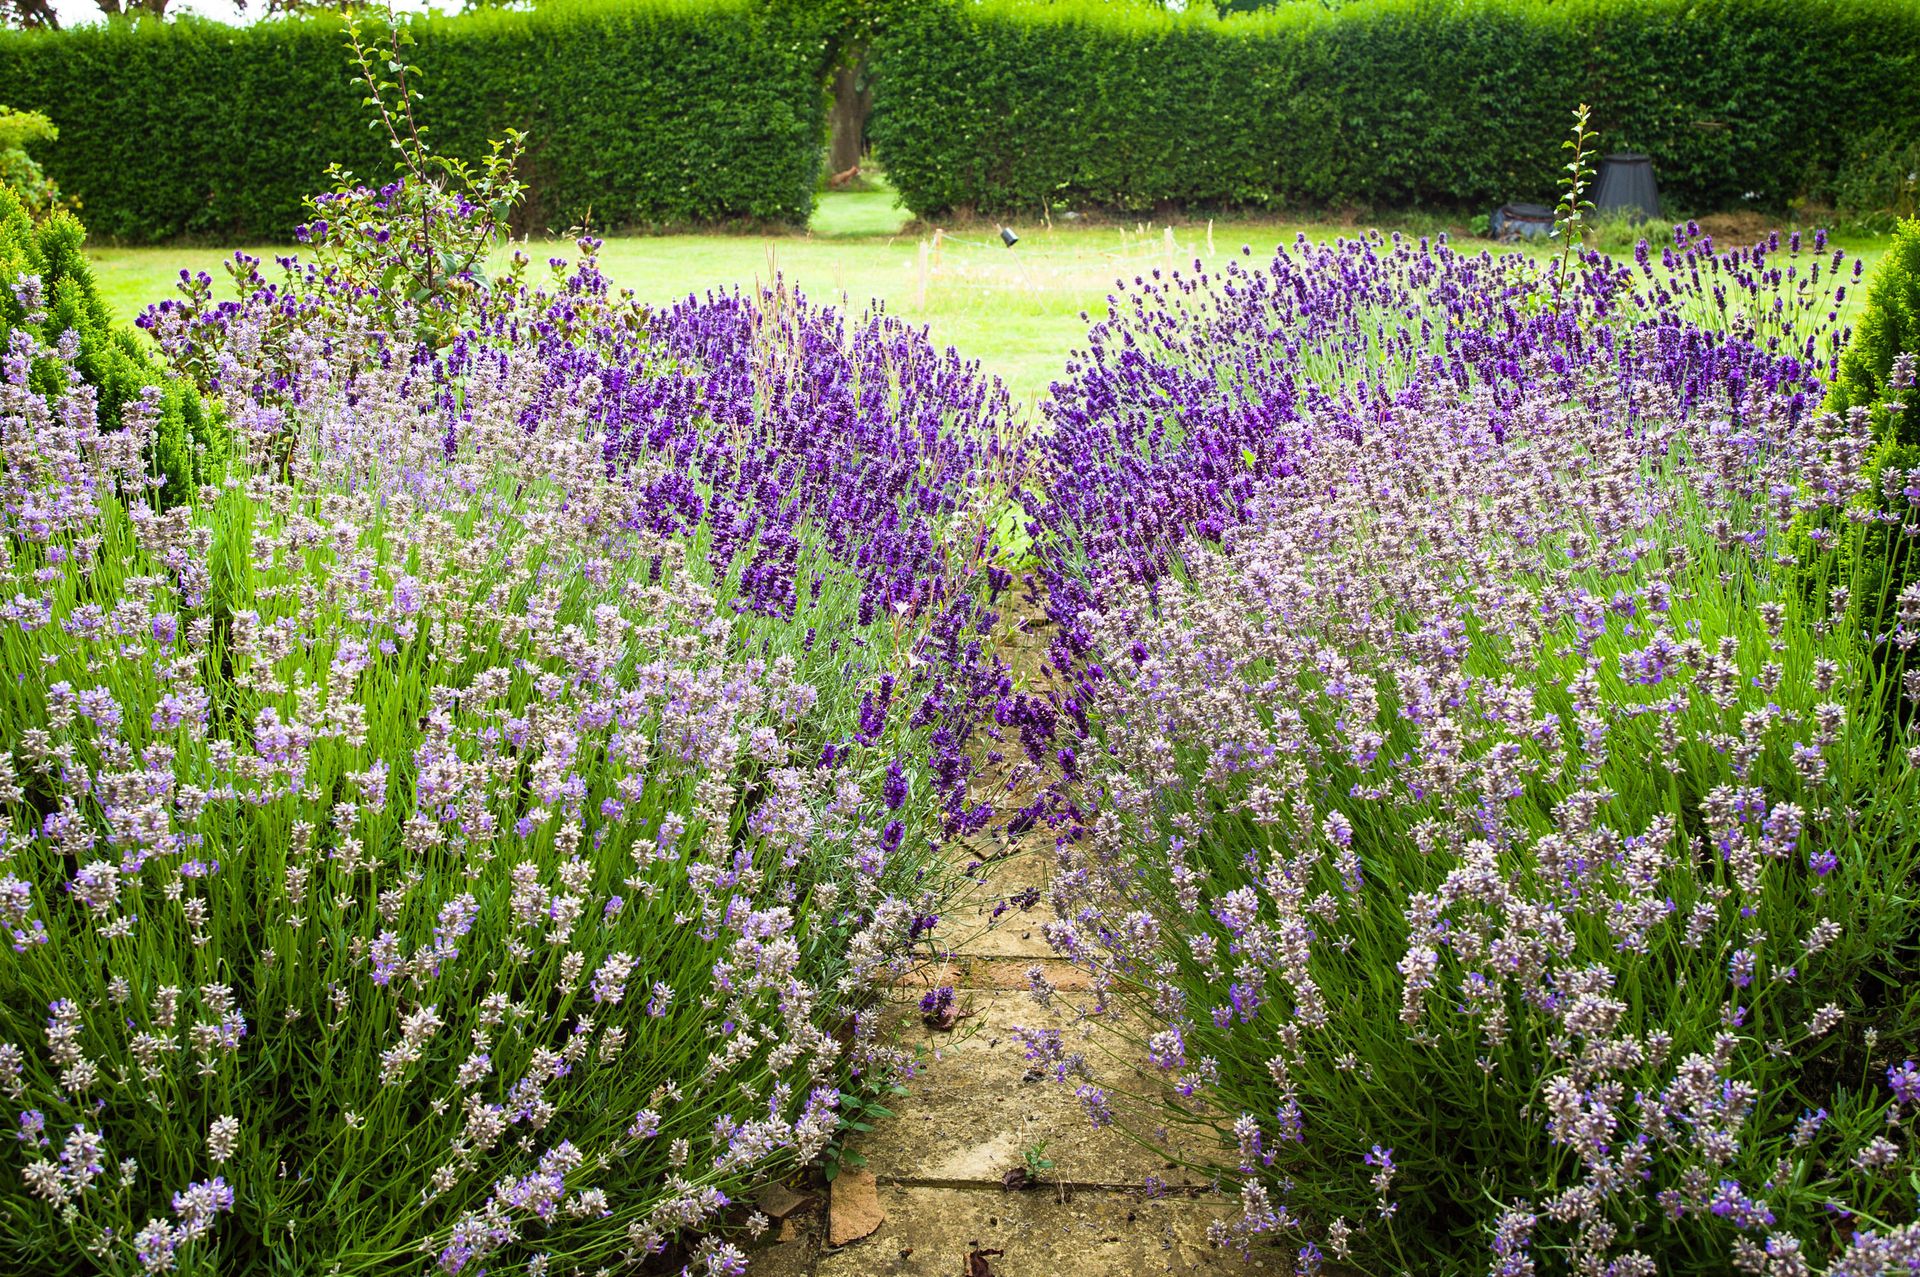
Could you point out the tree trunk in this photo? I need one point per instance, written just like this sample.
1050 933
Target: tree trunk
851 102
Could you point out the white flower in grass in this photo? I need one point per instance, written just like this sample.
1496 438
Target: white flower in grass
222 1136
1824 1019
1879 1154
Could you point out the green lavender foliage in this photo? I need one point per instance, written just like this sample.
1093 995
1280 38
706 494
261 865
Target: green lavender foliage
187 440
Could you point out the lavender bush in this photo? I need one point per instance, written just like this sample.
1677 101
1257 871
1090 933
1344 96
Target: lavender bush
1502 864
827 477
1203 386
469 835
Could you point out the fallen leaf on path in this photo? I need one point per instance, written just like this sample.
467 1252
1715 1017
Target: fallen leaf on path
853 1208
977 1265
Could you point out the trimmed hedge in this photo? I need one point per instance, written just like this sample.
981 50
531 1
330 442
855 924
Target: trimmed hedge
640 112
1009 106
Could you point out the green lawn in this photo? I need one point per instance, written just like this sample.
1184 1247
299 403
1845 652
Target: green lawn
1016 310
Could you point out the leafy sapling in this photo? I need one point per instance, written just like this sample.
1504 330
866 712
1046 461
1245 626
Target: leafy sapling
418 244
1570 215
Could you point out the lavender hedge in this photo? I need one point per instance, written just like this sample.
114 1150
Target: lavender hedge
497 798
1503 861
1202 388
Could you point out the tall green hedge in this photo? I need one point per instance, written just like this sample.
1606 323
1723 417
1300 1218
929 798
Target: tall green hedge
640 112
1014 105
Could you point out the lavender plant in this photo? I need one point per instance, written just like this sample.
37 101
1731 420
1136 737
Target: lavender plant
1508 867
1203 387
497 802
829 479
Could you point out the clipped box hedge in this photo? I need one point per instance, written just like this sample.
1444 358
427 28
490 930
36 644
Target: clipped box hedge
642 112
1009 106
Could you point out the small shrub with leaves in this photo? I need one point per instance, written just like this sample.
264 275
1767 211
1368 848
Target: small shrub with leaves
419 242
19 170
47 292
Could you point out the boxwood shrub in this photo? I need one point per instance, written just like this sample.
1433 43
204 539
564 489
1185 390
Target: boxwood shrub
188 443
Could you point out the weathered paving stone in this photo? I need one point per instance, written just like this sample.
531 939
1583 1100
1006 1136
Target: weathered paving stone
1014 935
978 1106
965 971
931 1231
784 1259
969 927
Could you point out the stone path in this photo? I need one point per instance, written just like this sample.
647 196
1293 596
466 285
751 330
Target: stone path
939 1167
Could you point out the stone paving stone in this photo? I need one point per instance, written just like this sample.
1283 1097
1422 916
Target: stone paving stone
930 1232
965 971
1015 935
978 1106
970 928
784 1259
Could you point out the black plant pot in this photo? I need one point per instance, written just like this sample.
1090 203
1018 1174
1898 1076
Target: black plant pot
1626 185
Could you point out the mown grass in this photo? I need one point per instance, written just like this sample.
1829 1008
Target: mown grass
1015 310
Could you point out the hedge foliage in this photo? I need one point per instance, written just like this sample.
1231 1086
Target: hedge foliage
1009 106
640 112
188 442
1883 562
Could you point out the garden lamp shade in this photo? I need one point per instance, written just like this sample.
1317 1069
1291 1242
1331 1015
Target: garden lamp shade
1007 236
1626 185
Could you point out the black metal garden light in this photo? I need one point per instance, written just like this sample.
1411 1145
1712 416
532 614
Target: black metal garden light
1007 236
